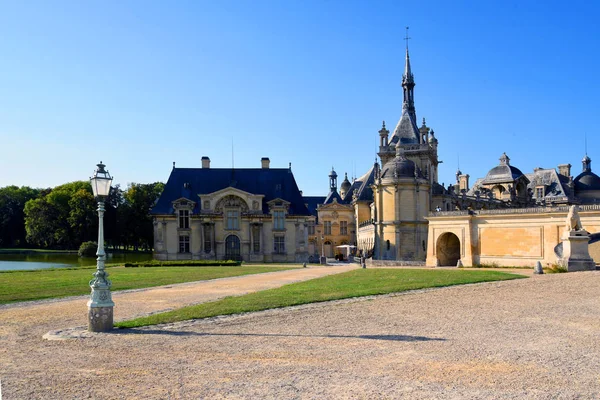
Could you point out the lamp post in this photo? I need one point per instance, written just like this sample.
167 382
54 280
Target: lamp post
323 256
100 305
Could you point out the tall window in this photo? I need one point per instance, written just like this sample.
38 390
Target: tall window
311 229
233 221
539 192
279 244
278 220
184 244
343 227
256 237
184 219
327 227
207 239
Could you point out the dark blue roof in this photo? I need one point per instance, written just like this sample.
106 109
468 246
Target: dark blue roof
271 182
312 202
334 195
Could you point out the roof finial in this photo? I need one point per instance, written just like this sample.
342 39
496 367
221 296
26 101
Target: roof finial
173 163
406 38
383 124
585 137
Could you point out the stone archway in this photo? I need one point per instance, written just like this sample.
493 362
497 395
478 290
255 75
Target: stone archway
448 249
232 248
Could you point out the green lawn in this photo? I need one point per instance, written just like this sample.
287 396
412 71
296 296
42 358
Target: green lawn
361 282
43 284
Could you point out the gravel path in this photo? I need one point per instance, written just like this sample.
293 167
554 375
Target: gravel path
536 338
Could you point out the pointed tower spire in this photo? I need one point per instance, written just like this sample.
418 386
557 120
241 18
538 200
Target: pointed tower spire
408 83
407 131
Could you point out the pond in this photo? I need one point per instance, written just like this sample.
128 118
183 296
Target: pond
35 260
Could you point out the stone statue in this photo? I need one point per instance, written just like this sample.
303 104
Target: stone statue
573 220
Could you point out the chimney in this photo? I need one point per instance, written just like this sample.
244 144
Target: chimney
264 162
564 170
463 181
205 162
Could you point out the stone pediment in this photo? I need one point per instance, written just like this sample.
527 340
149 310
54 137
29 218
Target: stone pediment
231 197
335 206
278 202
183 202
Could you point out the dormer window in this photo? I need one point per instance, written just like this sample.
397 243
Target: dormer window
184 219
539 192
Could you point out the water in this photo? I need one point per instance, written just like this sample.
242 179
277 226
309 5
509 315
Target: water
30 261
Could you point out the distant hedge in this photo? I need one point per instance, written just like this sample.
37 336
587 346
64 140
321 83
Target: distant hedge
88 249
184 263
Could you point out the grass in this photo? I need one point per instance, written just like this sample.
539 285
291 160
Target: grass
362 282
61 282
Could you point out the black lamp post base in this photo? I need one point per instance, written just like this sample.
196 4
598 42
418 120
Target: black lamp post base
100 319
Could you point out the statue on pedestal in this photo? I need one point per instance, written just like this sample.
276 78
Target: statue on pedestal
575 252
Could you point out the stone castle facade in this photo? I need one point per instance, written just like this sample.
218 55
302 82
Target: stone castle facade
396 212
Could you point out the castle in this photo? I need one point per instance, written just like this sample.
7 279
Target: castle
396 212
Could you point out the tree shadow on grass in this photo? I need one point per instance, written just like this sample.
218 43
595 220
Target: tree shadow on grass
168 332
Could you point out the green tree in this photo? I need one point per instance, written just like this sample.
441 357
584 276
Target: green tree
136 221
40 221
63 217
83 219
12 217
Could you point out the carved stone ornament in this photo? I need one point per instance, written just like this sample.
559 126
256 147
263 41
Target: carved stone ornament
231 201
255 205
335 215
573 220
206 204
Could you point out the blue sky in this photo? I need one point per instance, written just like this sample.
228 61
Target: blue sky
140 84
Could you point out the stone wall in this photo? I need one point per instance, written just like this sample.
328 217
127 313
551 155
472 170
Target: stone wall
509 237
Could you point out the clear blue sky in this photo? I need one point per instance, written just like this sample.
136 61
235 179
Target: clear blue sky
140 84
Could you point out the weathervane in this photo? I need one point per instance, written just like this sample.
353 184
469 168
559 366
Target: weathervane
407 38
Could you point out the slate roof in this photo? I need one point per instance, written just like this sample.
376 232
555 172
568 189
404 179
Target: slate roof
556 185
587 180
502 173
333 195
189 183
363 187
312 202
406 131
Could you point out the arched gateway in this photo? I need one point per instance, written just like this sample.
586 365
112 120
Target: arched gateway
448 249
232 248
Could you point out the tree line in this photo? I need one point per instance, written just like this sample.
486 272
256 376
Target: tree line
66 216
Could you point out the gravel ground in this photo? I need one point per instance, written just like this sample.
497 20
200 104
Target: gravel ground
536 338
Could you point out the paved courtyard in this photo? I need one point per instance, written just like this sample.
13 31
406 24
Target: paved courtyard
536 338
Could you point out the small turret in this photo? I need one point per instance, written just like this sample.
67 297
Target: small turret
586 164
345 186
383 137
333 180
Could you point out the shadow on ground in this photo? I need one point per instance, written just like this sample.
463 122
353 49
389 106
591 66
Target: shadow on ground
399 338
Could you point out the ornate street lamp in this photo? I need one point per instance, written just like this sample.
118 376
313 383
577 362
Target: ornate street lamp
323 259
100 305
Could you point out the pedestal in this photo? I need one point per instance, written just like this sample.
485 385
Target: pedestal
323 260
576 256
100 319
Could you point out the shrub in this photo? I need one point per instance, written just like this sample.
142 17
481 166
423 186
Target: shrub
88 249
555 269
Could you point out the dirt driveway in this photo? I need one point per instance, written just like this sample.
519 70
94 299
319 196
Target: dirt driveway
536 338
